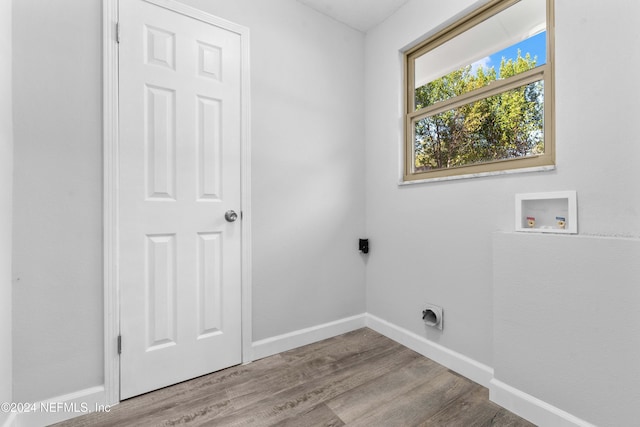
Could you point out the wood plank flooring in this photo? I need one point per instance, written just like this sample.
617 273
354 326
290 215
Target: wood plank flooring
357 379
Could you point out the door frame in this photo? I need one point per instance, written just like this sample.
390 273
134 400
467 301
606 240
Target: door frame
111 190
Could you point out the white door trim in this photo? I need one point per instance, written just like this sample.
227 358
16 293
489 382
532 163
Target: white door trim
110 186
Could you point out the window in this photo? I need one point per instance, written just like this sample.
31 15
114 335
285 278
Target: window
479 94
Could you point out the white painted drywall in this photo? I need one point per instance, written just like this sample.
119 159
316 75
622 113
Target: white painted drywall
428 242
566 323
307 188
432 243
57 258
6 184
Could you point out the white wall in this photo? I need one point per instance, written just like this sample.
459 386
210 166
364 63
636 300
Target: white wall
432 243
6 180
308 180
57 294
566 323
429 243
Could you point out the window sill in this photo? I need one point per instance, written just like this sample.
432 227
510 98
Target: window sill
478 175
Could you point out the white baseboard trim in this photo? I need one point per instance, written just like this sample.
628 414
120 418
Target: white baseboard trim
516 401
472 369
278 344
531 408
62 408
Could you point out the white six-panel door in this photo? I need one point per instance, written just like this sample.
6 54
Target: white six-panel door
179 168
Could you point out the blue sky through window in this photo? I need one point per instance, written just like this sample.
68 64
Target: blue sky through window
535 45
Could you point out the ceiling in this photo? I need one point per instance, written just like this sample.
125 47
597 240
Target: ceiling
359 14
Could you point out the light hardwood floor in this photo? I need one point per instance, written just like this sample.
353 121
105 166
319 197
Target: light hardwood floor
357 379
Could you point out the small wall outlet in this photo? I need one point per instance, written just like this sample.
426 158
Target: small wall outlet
432 316
363 246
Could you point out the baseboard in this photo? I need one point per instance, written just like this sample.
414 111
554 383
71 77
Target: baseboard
516 401
278 344
472 369
62 408
531 408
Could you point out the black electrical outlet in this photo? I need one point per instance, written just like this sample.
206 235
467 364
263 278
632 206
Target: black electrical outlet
363 246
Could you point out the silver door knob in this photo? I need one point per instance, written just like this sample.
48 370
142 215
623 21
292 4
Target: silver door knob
230 216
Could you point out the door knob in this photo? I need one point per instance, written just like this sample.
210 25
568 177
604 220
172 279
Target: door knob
230 216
